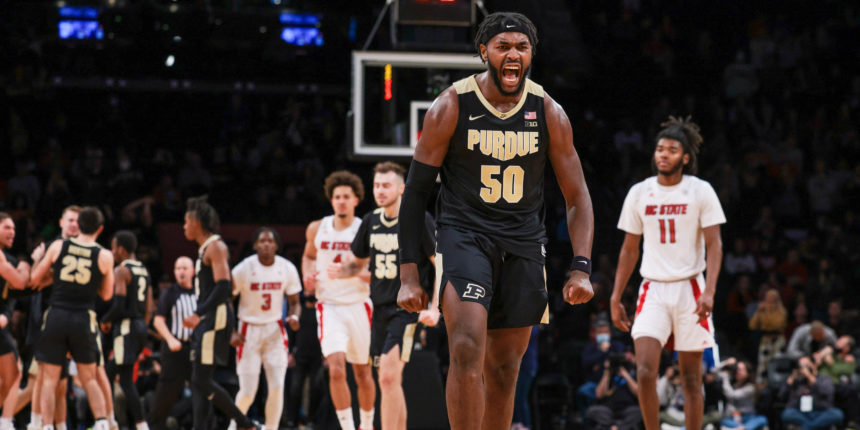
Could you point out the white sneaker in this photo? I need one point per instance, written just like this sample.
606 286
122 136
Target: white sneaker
232 425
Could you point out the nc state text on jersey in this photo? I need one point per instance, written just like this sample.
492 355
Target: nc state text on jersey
503 145
666 209
335 246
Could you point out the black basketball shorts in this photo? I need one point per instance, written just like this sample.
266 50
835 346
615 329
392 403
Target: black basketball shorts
129 336
7 343
510 286
210 340
66 330
392 326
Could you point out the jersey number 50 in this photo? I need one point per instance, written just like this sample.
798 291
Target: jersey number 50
510 188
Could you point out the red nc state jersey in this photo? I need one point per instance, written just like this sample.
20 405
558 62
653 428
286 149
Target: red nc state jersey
671 220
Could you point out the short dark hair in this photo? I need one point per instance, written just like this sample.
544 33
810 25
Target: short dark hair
265 229
500 22
127 240
202 211
390 166
90 219
686 132
343 178
4 215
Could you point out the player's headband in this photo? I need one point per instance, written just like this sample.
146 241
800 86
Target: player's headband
510 21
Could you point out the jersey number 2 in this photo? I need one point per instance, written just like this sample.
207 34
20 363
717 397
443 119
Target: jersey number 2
511 186
663 223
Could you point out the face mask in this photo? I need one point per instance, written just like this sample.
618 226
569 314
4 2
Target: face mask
602 338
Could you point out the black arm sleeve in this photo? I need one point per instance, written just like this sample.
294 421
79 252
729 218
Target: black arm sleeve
419 185
115 313
361 244
221 294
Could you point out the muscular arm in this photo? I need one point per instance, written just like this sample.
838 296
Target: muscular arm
439 125
42 268
580 216
627 259
714 258
17 277
160 325
106 267
309 259
568 171
713 261
122 276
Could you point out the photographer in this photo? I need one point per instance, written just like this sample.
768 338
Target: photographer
594 356
671 397
810 398
838 362
740 393
617 403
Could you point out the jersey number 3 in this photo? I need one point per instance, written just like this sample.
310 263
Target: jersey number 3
510 188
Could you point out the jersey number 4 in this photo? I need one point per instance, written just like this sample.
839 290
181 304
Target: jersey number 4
671 223
510 188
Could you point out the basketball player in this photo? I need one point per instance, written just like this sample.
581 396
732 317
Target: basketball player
13 275
393 329
493 134
82 270
679 217
132 294
344 310
38 305
212 321
261 281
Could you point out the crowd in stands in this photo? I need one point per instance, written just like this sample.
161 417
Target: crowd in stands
776 91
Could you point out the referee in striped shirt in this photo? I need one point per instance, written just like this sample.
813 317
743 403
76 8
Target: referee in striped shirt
176 302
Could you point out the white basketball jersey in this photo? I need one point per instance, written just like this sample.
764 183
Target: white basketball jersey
671 220
261 289
332 246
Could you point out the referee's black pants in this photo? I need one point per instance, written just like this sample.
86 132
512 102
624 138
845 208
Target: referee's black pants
175 371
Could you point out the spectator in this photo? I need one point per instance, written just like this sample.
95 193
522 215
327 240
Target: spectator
810 338
810 399
740 393
793 269
671 397
839 363
739 260
769 319
617 403
594 356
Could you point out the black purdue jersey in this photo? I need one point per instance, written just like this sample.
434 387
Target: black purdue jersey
136 289
493 174
204 278
377 239
77 277
6 293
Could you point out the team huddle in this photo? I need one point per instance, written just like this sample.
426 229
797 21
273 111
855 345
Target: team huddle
489 138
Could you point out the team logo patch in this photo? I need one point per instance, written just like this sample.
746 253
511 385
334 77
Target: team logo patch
474 291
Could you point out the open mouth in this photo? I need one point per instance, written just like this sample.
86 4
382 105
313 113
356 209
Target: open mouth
511 74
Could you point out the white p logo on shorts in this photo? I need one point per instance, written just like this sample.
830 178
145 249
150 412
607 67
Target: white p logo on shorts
474 291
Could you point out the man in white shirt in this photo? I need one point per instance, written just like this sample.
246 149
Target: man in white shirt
261 281
679 216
